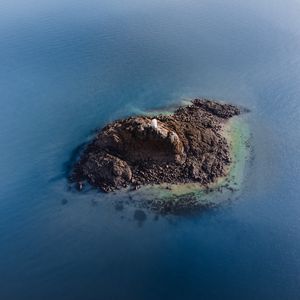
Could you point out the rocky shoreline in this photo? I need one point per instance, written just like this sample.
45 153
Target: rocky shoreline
185 147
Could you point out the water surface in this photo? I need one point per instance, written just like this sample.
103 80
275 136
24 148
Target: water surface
68 67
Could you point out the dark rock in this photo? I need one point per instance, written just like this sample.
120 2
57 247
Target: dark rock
119 206
139 215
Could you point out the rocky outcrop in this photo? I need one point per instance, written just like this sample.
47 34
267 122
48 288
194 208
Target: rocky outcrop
185 147
135 140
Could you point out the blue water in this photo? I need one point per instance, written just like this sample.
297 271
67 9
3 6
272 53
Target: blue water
68 67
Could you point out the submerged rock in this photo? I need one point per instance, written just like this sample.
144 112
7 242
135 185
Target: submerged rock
184 147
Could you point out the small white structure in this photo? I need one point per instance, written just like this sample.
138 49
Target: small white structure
173 136
154 123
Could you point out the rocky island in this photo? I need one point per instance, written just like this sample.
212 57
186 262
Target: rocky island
187 146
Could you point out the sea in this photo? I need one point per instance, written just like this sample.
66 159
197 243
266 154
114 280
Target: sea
68 68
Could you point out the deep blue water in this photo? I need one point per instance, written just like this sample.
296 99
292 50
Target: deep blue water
68 67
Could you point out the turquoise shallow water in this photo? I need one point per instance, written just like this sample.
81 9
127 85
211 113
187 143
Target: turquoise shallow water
68 67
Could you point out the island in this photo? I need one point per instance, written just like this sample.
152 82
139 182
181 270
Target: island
187 146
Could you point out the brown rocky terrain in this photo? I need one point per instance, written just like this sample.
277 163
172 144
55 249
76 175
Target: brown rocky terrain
184 147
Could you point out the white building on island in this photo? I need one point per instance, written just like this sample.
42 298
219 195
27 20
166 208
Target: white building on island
154 123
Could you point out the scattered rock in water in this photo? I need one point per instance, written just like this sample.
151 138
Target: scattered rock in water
119 206
64 201
94 202
179 205
140 216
